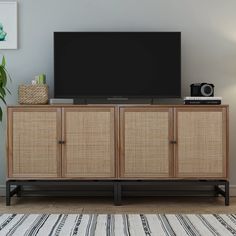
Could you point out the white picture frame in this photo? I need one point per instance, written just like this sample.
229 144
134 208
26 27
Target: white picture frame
8 25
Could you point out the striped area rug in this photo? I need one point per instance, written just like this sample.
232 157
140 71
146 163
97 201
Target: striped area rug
102 225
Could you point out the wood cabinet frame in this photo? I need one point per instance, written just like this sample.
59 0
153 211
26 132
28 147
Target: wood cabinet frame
118 136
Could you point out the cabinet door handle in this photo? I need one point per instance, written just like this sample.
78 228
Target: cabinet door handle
61 142
173 142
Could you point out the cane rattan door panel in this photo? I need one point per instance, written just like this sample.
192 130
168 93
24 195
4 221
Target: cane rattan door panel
145 135
201 142
89 149
34 151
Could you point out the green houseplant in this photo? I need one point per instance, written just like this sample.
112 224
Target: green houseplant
4 77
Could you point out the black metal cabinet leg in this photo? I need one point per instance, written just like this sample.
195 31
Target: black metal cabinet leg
117 193
227 193
8 193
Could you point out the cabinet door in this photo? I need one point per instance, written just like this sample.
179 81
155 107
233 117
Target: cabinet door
89 142
33 136
201 142
145 135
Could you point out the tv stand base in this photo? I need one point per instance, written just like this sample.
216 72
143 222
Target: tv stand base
113 100
119 188
117 99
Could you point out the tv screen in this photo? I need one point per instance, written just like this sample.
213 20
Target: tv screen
117 64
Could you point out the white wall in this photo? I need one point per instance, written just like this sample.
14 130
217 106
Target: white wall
208 42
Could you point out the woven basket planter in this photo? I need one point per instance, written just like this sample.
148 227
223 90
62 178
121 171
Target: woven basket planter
33 94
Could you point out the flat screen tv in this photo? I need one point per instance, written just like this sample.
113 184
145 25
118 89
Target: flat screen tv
117 64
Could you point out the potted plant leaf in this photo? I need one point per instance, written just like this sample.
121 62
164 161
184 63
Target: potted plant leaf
4 77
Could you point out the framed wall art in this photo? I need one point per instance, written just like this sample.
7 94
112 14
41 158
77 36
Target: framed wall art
8 25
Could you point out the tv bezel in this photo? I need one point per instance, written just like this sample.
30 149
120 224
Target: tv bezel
117 96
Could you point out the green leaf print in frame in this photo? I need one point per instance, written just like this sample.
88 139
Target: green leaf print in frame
8 24
2 33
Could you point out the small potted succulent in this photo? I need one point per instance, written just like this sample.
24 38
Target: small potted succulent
4 77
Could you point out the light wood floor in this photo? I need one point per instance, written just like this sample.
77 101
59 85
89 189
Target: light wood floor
130 205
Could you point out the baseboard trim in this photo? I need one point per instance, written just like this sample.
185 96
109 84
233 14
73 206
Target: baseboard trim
232 190
2 190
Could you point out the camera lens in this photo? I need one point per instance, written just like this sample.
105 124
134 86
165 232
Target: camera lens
206 90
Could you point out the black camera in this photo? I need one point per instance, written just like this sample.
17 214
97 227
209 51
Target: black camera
202 90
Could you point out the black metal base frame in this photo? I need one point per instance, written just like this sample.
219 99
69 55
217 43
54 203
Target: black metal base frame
15 187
